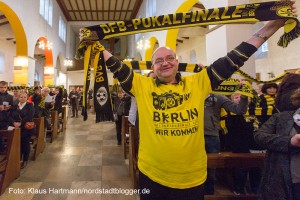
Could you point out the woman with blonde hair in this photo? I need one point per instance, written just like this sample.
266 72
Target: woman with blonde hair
20 114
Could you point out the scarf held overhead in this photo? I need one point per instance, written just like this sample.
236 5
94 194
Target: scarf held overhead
187 67
87 77
102 100
224 15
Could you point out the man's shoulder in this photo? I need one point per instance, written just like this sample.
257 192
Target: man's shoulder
8 95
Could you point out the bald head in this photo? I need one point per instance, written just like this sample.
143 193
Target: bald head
165 64
163 49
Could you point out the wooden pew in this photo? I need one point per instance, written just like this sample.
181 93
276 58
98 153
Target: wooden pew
133 155
54 120
10 158
63 118
231 160
124 133
38 139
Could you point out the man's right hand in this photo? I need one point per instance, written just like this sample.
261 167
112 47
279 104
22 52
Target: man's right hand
295 140
97 47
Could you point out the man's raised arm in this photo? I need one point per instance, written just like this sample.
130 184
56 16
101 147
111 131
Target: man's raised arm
224 67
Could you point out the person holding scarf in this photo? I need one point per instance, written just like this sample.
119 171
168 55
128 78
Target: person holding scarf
280 135
19 115
267 100
172 160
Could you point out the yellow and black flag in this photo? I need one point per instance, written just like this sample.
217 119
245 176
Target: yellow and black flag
87 77
102 100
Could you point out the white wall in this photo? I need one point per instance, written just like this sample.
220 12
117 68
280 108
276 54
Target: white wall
7 53
216 48
74 78
61 80
193 43
278 58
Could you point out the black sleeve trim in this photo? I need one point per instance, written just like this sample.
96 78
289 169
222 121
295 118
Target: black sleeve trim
224 67
121 71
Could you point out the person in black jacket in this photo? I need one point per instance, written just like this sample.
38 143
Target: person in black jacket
74 98
36 99
280 135
58 103
6 101
267 100
19 115
58 99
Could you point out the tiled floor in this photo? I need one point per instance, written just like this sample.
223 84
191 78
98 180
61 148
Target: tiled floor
80 164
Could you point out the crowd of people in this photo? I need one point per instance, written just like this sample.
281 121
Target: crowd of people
178 119
22 106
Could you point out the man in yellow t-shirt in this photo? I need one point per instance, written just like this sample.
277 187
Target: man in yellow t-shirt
172 159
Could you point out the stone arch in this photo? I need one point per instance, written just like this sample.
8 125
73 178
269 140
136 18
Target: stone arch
153 45
17 27
19 76
48 66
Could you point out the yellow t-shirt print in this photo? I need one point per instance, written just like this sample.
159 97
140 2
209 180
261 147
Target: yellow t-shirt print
171 149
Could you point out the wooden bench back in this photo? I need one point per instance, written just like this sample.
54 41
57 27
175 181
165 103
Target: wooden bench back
125 130
10 167
54 121
7 137
64 117
231 160
133 155
39 137
234 160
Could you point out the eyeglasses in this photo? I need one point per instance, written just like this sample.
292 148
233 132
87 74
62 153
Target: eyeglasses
160 61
